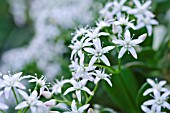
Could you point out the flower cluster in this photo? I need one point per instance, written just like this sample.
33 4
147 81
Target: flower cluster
160 96
89 57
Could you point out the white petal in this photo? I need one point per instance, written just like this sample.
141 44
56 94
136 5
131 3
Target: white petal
122 52
7 91
167 105
87 90
139 40
133 52
73 105
145 109
137 3
154 22
105 60
140 25
103 34
50 103
89 50
108 81
24 94
81 109
127 35
108 48
69 90
97 43
149 29
149 102
116 41
33 109
96 80
3 106
34 94
92 61
150 90
19 85
78 94
147 4
151 82
22 105
162 83
165 95
131 25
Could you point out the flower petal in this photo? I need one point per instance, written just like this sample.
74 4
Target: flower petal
89 50
133 52
127 35
122 52
22 105
108 48
87 90
78 94
139 40
105 60
7 91
108 81
73 105
69 90
93 60
81 109
3 106
149 29
24 94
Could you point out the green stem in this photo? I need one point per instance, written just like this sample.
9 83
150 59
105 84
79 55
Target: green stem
62 101
95 88
2 111
15 95
25 110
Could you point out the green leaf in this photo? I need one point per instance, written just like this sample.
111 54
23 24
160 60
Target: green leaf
124 91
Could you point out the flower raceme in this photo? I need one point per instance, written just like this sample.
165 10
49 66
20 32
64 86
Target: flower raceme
128 44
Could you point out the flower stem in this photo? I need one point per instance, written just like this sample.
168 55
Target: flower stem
25 110
95 88
15 95
2 111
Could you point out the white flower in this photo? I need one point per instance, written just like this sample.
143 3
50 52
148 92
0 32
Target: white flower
124 21
30 101
148 22
98 52
2 105
50 103
159 101
117 29
155 86
152 110
74 108
78 86
78 46
129 44
95 33
141 9
10 81
100 74
79 32
104 23
57 87
81 71
105 12
40 82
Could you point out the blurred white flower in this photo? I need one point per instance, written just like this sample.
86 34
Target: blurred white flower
129 44
98 52
156 86
2 105
30 101
11 81
95 33
104 23
148 22
148 110
100 74
78 46
39 82
159 101
141 9
50 103
78 86
124 21
74 108
82 71
57 86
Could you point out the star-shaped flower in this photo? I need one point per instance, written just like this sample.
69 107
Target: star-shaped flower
98 52
74 108
78 86
129 44
155 86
